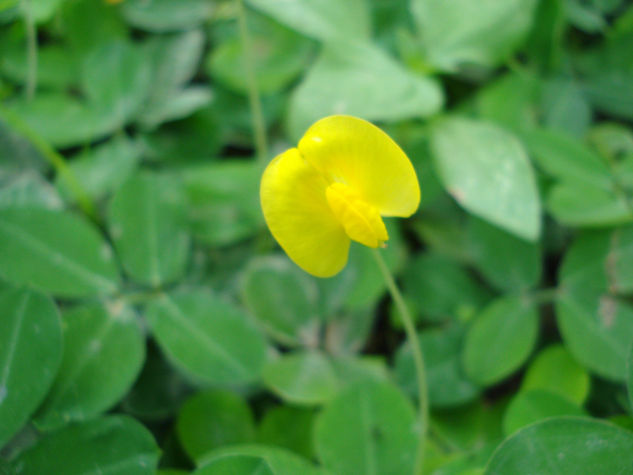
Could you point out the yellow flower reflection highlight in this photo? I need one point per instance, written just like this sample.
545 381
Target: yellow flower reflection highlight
335 187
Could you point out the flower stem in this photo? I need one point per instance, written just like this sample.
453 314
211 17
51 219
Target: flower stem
259 126
418 358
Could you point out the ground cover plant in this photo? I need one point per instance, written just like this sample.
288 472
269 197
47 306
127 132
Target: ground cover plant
150 322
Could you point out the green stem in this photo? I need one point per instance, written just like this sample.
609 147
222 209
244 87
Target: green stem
418 358
259 126
31 50
55 159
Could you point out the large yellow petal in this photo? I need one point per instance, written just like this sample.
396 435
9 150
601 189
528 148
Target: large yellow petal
296 210
357 153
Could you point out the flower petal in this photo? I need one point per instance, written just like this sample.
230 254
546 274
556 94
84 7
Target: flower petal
296 210
357 153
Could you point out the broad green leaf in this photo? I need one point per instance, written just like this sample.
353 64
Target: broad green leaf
500 339
612 140
565 108
555 370
367 428
545 45
41 10
30 354
211 419
148 226
507 262
104 168
103 353
462 33
56 69
28 190
446 381
165 15
288 427
206 338
113 444
488 172
283 299
302 378
531 406
259 459
440 289
564 445
320 19
55 251
223 201
17 154
282 55
88 24
345 75
597 325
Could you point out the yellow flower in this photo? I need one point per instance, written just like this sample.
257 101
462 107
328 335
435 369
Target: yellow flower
335 187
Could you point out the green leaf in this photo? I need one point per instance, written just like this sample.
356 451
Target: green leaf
165 15
447 383
462 33
488 172
223 201
288 427
596 325
565 108
507 262
212 419
282 55
320 19
531 406
104 168
29 190
55 251
367 428
441 289
302 378
208 339
103 353
113 444
564 445
30 354
148 226
282 298
500 339
259 459
345 75
17 154
555 370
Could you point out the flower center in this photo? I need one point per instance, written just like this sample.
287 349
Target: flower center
361 221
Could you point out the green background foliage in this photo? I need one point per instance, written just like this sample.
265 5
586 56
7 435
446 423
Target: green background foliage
148 320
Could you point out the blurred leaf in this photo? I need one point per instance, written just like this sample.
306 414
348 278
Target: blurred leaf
288 427
30 354
279 56
41 10
447 383
104 168
564 445
629 379
17 154
596 325
507 262
223 201
148 227
164 15
367 428
87 24
175 61
586 15
115 444
260 459
500 339
283 299
345 75
554 370
103 353
206 338
302 378
462 33
565 108
531 406
213 419
29 190
612 140
545 44
488 172
321 19
55 251
441 289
